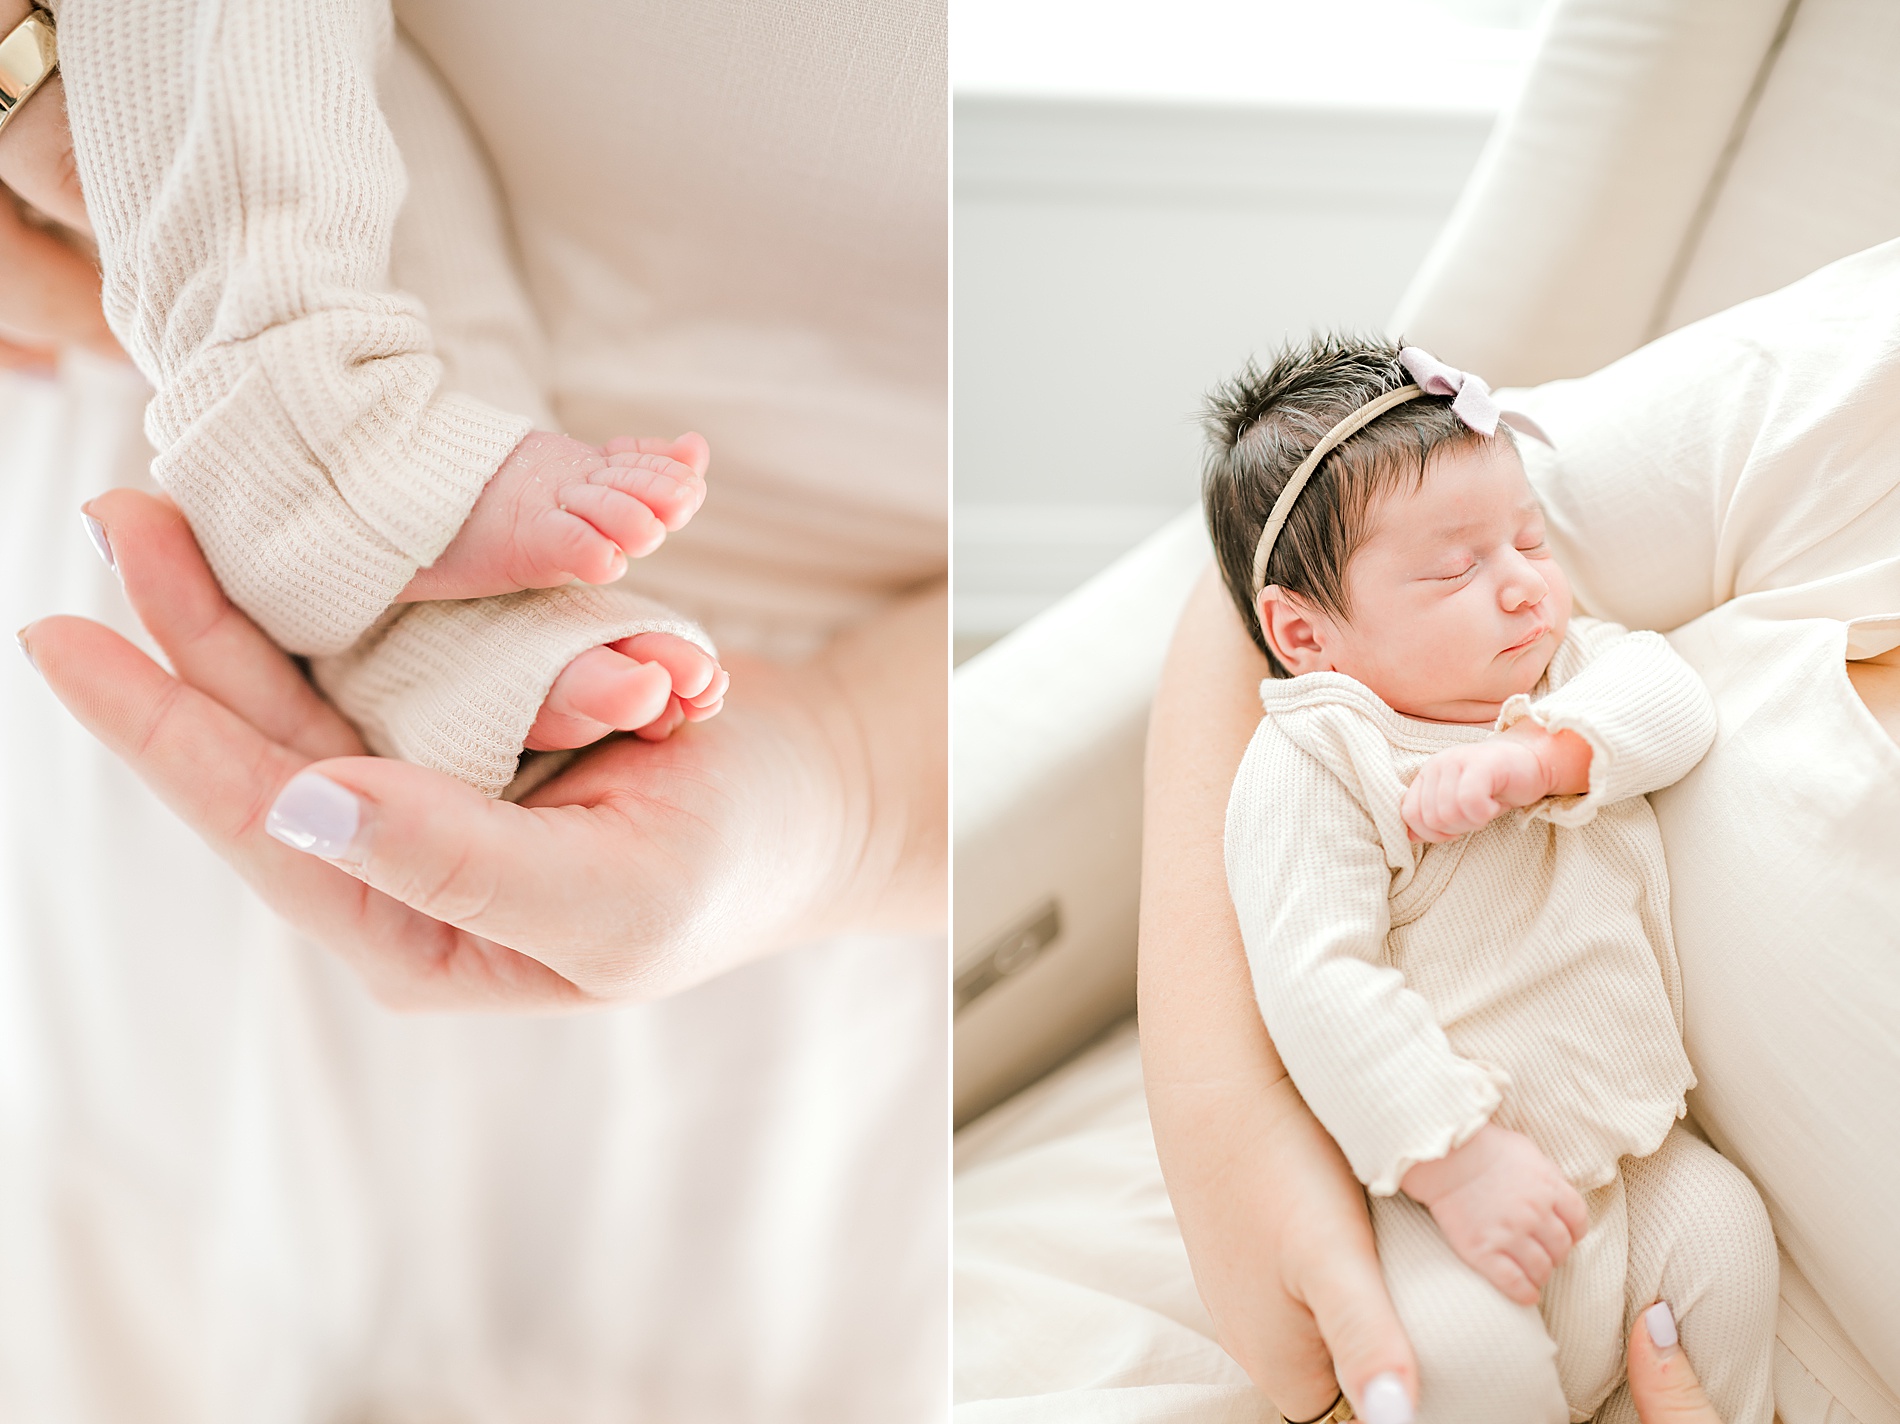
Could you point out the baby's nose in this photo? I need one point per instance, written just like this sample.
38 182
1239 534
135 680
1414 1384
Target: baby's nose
1523 587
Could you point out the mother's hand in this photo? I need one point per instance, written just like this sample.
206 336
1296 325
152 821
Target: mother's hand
813 805
49 292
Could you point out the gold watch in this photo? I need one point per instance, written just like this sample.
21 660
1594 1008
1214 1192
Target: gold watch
29 55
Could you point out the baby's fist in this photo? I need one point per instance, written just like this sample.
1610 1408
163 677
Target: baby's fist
1504 1208
1462 789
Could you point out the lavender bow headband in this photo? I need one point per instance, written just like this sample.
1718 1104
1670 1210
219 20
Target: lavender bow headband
1472 404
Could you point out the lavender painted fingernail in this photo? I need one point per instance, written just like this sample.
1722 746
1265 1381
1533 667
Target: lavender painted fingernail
25 650
315 815
1660 1321
1384 1401
96 532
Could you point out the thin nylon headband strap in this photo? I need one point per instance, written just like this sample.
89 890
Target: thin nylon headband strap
1330 441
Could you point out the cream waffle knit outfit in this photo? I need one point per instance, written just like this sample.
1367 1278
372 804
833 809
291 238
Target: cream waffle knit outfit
244 185
1523 974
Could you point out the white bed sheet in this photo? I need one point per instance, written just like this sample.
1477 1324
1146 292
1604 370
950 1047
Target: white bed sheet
1075 1303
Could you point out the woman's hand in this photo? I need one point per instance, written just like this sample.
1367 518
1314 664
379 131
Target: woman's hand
814 805
49 292
1275 1225
1662 1386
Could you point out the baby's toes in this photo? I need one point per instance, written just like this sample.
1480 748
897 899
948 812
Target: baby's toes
636 530
601 691
672 490
690 666
689 449
663 726
560 545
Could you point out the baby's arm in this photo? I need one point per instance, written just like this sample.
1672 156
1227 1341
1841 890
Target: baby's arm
1310 880
1626 716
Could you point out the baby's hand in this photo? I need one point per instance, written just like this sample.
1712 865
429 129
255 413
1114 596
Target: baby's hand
1464 788
1504 1208
559 510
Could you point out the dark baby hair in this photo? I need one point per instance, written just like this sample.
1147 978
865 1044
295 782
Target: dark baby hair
1261 424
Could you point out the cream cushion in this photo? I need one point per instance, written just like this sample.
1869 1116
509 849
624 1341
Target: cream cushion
1739 482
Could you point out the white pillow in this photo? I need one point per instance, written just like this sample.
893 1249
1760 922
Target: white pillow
1738 482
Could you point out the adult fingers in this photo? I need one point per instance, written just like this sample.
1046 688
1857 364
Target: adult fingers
222 777
1662 1386
26 358
1372 1355
209 642
50 296
36 157
490 868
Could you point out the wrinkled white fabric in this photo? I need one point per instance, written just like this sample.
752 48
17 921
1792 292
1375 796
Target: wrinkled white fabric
231 1187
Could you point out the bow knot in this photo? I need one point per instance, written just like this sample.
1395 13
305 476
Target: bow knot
1473 404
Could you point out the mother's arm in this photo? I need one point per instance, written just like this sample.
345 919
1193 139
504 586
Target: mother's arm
1274 1222
814 805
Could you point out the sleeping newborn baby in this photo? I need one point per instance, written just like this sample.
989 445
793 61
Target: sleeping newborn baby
446 566
1454 901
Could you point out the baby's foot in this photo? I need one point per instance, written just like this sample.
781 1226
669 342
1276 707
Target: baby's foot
559 510
647 685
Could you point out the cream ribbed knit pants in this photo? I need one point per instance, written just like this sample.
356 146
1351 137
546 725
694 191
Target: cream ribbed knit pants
1682 1225
245 185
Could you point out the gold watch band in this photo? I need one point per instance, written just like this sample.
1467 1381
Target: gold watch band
1340 1412
28 57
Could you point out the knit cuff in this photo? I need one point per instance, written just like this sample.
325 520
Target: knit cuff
1570 811
415 481
314 539
1444 1121
456 686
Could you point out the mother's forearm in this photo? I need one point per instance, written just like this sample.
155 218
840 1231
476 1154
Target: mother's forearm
882 693
1269 1213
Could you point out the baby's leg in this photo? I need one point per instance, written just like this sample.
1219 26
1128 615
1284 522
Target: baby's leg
1480 1357
451 250
1700 1239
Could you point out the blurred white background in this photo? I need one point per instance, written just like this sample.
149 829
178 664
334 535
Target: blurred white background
1147 191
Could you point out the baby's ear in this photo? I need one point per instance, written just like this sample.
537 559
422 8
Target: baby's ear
1292 630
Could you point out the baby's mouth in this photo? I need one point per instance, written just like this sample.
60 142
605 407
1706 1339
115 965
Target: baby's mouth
1535 637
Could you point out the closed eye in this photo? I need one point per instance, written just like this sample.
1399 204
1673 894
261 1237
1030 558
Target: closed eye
1453 578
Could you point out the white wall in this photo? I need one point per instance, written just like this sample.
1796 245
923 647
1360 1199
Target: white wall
1113 260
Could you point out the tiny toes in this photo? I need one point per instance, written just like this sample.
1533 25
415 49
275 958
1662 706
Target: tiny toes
691 667
689 449
664 485
601 691
617 516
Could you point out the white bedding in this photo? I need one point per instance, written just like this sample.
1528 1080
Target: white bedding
1075 1303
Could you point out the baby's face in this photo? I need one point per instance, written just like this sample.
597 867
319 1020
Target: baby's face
1457 603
